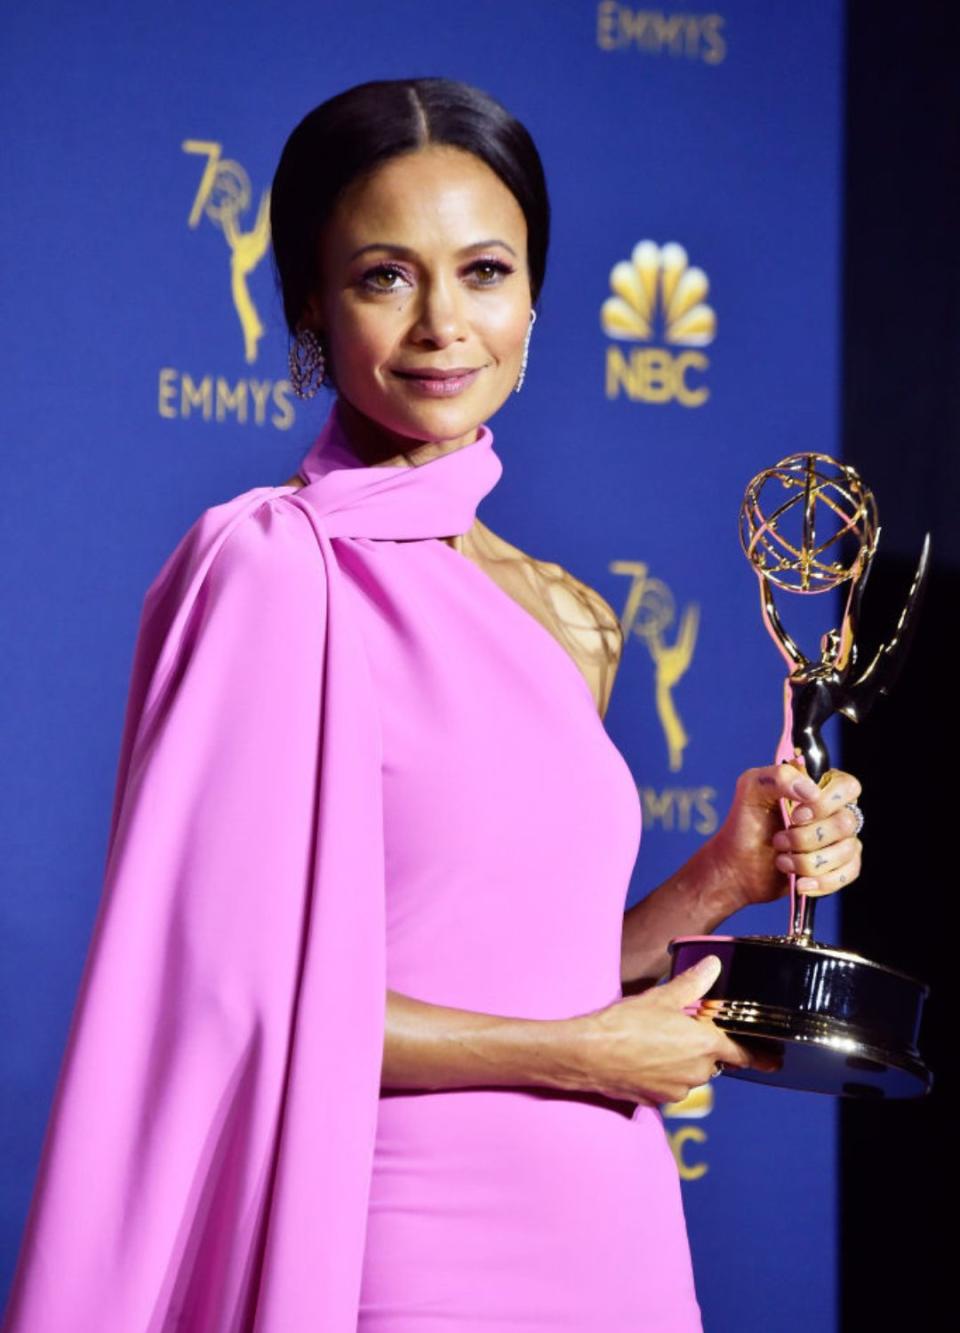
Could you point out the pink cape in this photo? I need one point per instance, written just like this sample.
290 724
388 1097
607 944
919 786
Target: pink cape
207 1160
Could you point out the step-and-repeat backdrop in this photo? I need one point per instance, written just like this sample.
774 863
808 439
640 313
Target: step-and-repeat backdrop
687 338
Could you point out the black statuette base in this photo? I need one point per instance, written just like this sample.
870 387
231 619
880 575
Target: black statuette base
838 1023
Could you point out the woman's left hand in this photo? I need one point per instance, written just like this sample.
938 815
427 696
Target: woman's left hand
820 846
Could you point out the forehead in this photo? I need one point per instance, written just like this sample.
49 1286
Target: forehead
436 192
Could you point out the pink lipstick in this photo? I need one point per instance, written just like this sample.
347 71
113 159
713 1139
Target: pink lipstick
439 383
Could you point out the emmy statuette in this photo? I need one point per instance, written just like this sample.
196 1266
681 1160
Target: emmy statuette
836 1022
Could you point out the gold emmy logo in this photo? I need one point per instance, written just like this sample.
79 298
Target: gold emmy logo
223 196
652 32
650 614
697 1105
658 296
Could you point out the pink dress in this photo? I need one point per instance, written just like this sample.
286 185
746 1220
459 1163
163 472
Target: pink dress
350 762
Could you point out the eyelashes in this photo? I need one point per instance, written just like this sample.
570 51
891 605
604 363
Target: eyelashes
369 283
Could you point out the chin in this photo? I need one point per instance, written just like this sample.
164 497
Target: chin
436 421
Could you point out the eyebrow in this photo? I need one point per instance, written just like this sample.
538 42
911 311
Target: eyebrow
406 253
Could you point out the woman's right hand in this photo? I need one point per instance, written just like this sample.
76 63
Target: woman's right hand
645 1048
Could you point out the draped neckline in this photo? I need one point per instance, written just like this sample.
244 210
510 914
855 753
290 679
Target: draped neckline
435 499
438 498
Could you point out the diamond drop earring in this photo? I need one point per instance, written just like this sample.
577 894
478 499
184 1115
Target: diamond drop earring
526 348
307 363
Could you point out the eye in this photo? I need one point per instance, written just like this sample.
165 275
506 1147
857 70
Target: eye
380 270
496 266
491 272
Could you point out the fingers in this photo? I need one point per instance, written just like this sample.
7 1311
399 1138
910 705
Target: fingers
755 1055
730 1052
827 867
723 1049
767 1064
812 835
837 791
823 873
778 782
839 788
819 846
789 781
694 983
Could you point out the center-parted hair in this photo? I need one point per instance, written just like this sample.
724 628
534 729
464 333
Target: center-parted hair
350 135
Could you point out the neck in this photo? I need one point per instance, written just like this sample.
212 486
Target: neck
377 446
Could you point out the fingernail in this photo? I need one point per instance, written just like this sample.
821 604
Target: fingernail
802 815
781 841
784 863
805 885
806 789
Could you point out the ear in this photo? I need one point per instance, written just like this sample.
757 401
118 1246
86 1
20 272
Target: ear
312 315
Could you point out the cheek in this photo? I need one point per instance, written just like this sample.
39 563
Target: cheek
504 330
364 335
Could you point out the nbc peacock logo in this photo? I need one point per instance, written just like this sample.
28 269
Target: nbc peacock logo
697 1105
658 297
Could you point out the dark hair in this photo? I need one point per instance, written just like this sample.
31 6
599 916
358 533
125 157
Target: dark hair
352 133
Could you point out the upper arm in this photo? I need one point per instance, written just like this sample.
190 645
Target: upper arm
610 636
590 627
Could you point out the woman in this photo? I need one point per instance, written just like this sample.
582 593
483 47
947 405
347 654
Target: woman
352 1048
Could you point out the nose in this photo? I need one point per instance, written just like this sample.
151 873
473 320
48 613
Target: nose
440 317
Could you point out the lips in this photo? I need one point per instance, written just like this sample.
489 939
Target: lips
433 382
434 374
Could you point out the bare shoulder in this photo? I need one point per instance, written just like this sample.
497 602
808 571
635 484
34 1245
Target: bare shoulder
580 617
606 622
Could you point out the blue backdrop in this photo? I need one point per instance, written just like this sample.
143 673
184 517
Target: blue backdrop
688 336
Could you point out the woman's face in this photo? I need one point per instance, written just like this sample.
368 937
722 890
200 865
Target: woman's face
423 267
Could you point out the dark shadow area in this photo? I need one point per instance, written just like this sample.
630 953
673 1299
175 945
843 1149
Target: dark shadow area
901 430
